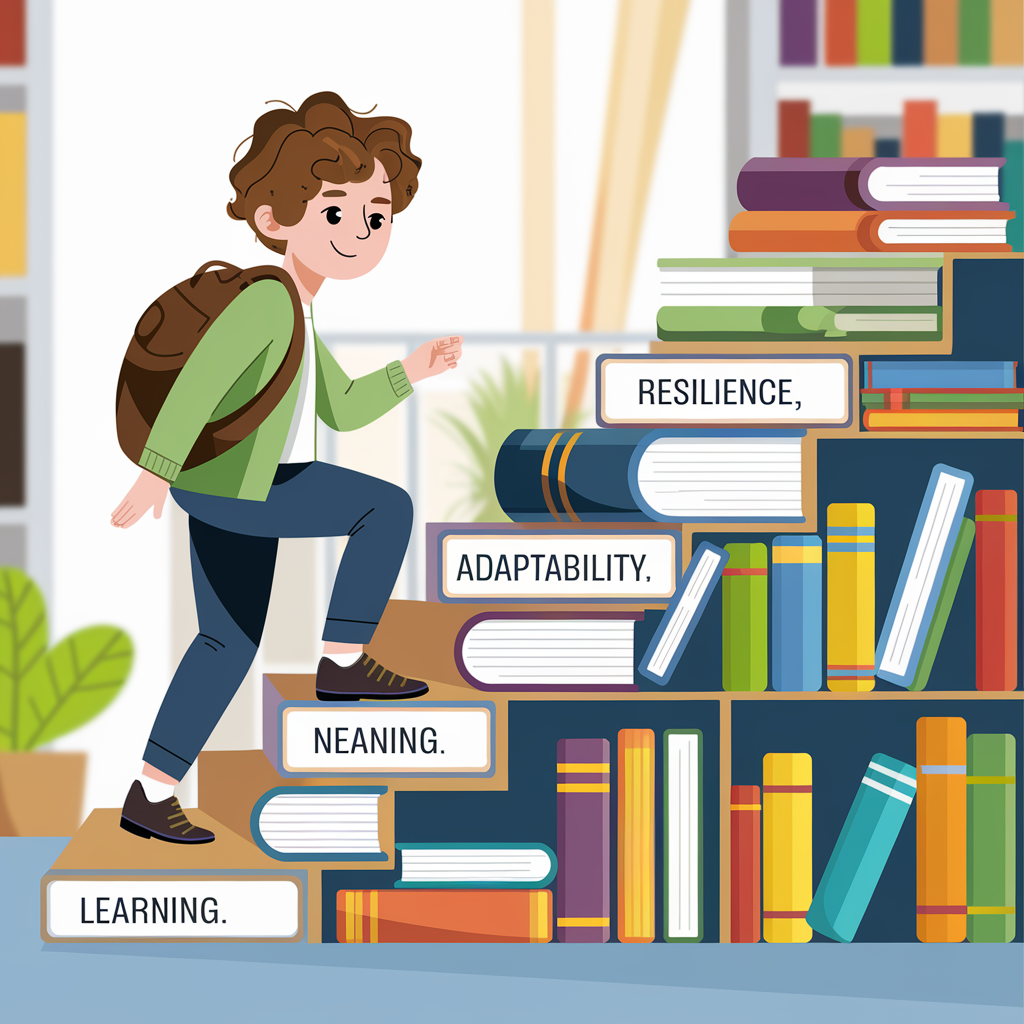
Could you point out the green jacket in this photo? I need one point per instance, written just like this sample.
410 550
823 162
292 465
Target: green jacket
232 363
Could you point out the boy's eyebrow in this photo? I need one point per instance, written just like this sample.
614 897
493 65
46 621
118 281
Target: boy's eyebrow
380 199
334 192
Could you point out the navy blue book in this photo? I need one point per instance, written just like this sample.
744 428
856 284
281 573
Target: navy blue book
668 476
907 33
988 131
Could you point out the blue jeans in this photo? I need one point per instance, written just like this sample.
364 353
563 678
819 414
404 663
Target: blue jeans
234 549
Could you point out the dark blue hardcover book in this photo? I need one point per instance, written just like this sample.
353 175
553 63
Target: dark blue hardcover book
668 476
988 132
899 373
887 147
906 32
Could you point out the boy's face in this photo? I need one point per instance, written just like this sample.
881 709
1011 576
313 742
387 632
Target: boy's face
344 232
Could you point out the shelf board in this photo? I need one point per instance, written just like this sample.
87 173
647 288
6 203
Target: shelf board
856 74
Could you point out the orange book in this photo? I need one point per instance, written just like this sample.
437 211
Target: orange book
444 915
941 829
1006 20
941 32
920 127
745 864
868 230
636 835
996 590
841 32
794 128
941 419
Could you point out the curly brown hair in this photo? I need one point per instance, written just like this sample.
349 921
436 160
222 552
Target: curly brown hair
294 151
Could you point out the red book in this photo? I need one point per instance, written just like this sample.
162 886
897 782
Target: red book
841 32
920 118
745 863
996 590
12 31
794 127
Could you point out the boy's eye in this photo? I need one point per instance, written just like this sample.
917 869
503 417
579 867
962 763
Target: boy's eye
376 220
333 214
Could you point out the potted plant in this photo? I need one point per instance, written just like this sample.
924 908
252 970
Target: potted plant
46 692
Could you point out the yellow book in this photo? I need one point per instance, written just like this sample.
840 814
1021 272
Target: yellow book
636 835
851 597
858 142
12 193
941 419
788 883
954 135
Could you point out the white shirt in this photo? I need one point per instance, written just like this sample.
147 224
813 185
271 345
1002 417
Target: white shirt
301 443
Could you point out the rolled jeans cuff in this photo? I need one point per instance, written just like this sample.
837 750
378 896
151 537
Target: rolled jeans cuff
348 631
163 760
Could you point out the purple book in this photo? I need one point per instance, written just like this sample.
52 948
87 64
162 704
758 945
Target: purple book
583 910
798 32
870 183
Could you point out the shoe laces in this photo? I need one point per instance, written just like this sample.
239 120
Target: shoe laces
175 806
374 664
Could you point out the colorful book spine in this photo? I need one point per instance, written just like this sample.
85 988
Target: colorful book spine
745 864
1007 21
13 173
920 119
796 613
826 135
798 32
996 590
684 845
444 915
991 837
874 821
874 31
911 610
1011 189
947 594
745 618
794 128
953 135
944 419
636 835
851 597
941 31
857 142
841 32
975 33
787 847
987 134
584 840
941 829
907 27
12 32
893 373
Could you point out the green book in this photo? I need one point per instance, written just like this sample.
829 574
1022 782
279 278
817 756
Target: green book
826 135
745 618
975 32
1011 190
991 837
980 400
947 593
874 32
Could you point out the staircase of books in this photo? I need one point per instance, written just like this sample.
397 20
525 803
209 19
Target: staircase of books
743 666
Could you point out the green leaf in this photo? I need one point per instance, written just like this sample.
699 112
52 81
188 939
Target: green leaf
72 683
24 635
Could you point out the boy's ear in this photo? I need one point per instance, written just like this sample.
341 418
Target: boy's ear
265 221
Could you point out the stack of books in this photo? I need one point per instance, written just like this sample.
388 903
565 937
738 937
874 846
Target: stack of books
947 395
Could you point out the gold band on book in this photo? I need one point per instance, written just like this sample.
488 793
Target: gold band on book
359 916
995 519
373 914
582 787
744 807
545 481
991 780
584 768
584 922
991 910
561 476
350 922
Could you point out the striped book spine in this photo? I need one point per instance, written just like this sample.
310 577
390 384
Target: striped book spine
584 840
745 618
996 590
991 837
942 829
745 864
851 597
796 613
444 915
636 835
879 809
787 847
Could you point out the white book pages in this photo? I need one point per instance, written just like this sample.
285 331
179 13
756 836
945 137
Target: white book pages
942 232
886 322
440 865
321 823
682 836
903 184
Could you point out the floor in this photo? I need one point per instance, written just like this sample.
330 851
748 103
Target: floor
154 983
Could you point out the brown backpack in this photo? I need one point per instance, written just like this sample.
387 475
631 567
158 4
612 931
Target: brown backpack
168 333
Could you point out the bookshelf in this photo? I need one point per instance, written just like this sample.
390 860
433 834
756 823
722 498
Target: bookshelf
25 293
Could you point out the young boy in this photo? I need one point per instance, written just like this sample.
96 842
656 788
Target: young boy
319 185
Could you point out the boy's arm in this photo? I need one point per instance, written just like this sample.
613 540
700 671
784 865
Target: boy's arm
248 326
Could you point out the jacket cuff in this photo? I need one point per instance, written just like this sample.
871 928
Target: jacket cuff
162 467
399 381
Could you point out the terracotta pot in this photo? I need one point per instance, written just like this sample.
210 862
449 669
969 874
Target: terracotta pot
41 793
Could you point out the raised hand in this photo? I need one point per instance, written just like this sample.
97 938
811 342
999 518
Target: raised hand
148 492
433 357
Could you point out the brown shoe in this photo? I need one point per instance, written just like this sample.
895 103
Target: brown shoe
163 820
367 679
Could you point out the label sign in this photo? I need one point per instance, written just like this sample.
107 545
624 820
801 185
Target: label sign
722 391
162 908
559 566
441 738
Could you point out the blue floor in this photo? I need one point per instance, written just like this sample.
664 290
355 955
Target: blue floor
111 983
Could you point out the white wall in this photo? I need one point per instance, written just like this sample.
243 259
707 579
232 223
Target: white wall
150 101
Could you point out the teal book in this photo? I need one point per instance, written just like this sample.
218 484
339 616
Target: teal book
745 618
1011 190
879 809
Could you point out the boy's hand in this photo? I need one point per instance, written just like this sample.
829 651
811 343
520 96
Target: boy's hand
148 492
433 357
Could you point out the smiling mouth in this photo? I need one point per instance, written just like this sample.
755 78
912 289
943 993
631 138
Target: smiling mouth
340 253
